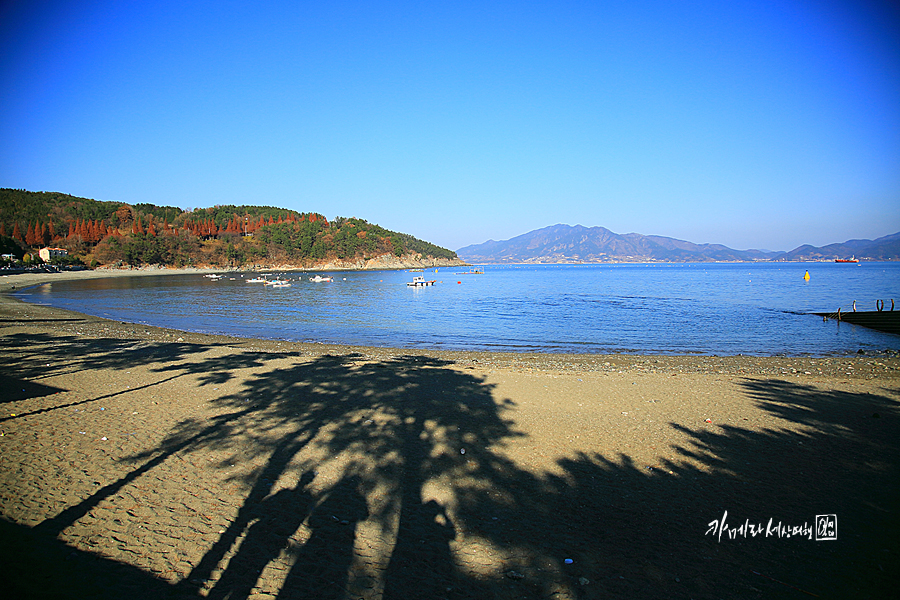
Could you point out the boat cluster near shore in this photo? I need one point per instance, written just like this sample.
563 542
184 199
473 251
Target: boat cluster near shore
282 281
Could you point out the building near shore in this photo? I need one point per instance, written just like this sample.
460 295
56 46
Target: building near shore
48 254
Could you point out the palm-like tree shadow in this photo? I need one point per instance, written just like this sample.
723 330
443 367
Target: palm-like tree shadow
357 486
393 428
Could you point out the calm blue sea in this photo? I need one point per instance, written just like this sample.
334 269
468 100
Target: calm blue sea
713 309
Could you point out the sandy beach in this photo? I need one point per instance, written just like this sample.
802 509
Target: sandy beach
149 463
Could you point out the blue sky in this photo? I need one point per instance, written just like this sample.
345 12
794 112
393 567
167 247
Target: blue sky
751 124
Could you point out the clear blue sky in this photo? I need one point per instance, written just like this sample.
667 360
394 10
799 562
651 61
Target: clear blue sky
755 124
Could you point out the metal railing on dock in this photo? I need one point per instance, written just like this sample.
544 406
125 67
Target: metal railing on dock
880 319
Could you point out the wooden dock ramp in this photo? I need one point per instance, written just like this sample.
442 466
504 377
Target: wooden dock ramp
887 321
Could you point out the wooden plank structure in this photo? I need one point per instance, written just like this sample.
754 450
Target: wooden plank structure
881 320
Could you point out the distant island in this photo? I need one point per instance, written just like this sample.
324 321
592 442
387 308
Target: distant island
561 244
95 233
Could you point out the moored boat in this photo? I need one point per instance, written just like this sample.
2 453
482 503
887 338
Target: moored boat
420 282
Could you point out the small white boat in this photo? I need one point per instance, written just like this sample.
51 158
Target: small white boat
213 276
278 282
319 278
420 282
257 280
281 284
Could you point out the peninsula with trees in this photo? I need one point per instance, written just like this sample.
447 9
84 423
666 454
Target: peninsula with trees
98 233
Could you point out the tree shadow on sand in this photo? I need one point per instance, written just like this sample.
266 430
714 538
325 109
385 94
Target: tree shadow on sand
648 531
388 480
389 429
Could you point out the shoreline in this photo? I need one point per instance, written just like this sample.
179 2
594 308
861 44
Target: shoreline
740 364
145 462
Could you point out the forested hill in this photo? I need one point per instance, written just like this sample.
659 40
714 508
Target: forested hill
96 232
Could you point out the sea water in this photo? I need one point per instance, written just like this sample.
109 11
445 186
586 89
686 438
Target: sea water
711 309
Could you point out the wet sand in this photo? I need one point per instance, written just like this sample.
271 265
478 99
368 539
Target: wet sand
155 463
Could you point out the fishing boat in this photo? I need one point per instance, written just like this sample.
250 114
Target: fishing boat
474 271
257 280
319 278
420 282
281 284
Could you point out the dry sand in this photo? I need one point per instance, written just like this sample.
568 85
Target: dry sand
149 463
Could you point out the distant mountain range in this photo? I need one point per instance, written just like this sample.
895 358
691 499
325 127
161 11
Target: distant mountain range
578 244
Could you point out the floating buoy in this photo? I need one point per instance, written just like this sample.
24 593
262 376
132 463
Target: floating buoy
806 276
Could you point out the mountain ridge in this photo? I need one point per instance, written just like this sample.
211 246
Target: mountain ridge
563 243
